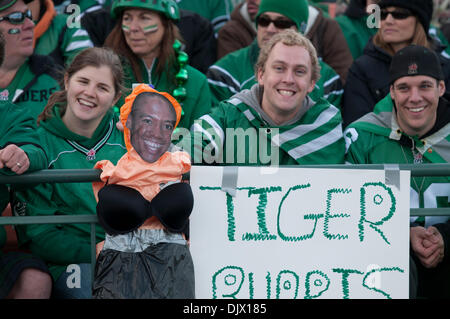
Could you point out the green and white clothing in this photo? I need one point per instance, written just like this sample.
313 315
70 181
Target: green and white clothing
216 11
198 100
61 245
235 72
18 128
32 85
356 32
376 138
63 42
314 136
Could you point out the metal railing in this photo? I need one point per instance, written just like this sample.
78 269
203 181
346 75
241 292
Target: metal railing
91 175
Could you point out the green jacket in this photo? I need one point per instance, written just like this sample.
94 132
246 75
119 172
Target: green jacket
377 139
198 99
216 11
61 245
32 85
356 33
235 72
19 128
61 42
238 132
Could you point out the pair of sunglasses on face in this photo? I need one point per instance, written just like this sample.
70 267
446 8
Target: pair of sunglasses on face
398 15
279 23
17 17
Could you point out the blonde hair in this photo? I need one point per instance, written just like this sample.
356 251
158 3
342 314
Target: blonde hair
290 38
419 38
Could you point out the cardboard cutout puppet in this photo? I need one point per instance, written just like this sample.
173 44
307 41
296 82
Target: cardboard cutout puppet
144 207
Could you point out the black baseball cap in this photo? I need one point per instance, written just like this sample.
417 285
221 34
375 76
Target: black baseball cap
415 60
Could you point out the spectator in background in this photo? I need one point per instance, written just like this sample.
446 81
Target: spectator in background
23 276
197 34
359 23
215 11
240 31
144 36
25 78
54 35
301 131
329 41
403 22
354 25
411 126
76 129
235 71
323 32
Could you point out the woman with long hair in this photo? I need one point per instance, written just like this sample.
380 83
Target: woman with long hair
77 128
149 44
402 22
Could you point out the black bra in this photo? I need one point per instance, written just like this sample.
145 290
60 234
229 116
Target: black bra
121 209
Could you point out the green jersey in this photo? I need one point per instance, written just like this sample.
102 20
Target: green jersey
356 33
239 132
235 72
63 41
61 245
32 85
216 11
377 139
19 128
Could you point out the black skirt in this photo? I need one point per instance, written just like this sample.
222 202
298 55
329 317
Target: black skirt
161 271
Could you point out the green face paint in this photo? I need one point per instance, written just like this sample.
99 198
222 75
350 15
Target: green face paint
147 29
150 29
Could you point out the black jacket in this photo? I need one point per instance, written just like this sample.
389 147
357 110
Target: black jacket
368 81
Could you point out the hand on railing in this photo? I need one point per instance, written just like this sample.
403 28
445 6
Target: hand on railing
14 158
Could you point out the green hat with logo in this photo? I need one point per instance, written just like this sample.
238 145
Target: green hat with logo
167 7
295 10
5 4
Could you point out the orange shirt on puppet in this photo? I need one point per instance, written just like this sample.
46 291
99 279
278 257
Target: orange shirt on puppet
147 178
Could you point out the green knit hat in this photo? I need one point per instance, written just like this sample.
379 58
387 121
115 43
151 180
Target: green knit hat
296 10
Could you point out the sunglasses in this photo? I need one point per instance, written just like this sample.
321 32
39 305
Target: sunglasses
17 17
398 15
264 21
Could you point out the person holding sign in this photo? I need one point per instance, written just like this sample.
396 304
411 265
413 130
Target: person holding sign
275 113
411 125
144 207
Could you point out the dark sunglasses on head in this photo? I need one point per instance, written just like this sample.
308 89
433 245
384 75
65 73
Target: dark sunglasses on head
264 21
398 15
17 17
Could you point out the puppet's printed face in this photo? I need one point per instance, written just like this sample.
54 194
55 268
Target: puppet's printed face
151 125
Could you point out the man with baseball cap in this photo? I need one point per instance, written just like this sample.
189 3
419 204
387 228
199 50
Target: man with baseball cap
236 71
411 125
25 79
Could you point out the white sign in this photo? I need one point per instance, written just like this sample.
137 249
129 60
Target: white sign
300 233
